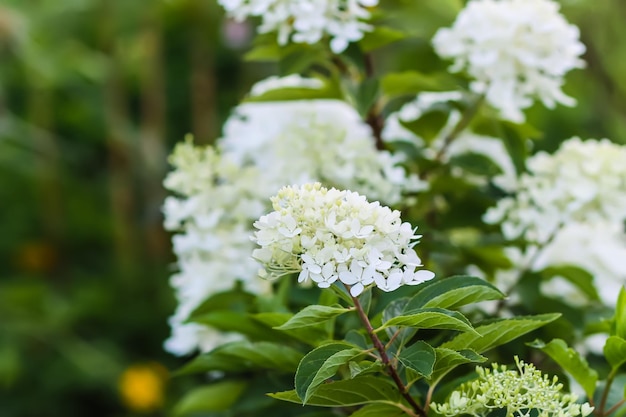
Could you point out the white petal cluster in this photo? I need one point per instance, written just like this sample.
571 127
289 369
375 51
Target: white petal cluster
315 140
307 21
570 209
219 192
582 182
328 235
517 392
516 51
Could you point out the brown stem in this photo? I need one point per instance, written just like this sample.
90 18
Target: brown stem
385 359
605 394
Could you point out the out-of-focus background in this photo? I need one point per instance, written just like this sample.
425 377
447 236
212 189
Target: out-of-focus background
93 96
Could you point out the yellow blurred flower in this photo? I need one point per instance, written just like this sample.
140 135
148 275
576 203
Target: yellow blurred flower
142 387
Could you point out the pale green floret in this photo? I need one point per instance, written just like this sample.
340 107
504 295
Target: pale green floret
516 392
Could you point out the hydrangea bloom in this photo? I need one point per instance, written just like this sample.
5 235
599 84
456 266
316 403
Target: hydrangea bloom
220 191
570 209
517 392
307 21
515 51
328 235
288 81
583 182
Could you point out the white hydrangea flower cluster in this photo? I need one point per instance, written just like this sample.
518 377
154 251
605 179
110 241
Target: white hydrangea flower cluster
221 191
515 51
516 391
215 200
328 235
307 21
582 182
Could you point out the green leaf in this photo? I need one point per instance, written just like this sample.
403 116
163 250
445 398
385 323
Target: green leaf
571 362
311 335
454 292
379 37
364 368
498 332
615 351
620 314
577 276
366 95
420 357
413 82
432 318
361 390
313 363
312 315
394 309
244 323
267 52
429 124
476 163
379 410
245 356
448 359
215 397
235 300
329 368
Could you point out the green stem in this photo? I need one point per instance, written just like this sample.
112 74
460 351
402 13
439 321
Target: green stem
385 359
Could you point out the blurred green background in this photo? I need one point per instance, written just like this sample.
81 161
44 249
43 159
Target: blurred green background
93 96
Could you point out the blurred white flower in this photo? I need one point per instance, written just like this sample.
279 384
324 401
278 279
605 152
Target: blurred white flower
329 235
219 192
582 182
516 51
570 209
289 81
307 21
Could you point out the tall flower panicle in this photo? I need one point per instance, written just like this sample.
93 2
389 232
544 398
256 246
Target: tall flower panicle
516 51
328 235
517 392
307 21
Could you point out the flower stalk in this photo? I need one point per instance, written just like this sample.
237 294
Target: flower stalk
393 372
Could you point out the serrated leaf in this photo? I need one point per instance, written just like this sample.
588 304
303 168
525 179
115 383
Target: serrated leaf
362 390
454 292
413 82
420 357
379 410
364 368
329 368
571 362
215 397
312 362
498 332
448 359
615 351
379 37
432 318
245 356
312 315
620 314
